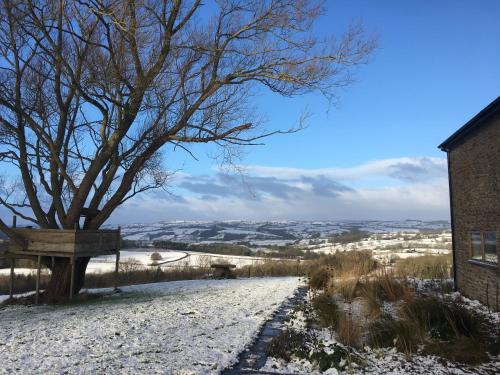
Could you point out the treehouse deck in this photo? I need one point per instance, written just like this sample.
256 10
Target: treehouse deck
65 243
72 244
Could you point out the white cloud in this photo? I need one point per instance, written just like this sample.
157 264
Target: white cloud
415 188
432 166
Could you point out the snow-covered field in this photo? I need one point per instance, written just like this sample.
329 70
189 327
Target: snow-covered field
169 258
185 327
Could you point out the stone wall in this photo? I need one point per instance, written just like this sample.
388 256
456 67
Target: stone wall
475 189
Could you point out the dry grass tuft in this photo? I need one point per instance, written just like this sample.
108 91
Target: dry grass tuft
348 330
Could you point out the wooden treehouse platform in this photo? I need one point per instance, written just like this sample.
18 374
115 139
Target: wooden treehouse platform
66 242
63 243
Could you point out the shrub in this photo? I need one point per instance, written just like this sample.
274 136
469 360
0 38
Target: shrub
156 257
288 343
291 343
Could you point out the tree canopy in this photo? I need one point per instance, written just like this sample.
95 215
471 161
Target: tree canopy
92 91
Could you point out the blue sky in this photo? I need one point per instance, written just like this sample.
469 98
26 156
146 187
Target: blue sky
373 155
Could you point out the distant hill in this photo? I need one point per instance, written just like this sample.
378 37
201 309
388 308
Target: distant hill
267 233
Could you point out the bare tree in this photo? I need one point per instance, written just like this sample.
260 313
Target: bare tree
92 93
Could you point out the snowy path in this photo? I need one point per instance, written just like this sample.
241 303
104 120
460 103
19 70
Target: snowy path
185 327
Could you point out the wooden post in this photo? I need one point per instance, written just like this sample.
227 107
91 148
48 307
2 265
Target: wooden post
117 262
496 303
487 295
11 285
14 221
116 268
72 282
38 266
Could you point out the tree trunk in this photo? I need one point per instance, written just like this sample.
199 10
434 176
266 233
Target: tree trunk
60 281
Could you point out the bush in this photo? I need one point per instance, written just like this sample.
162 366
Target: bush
156 257
287 344
291 343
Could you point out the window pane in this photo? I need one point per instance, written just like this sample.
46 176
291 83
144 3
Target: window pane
475 243
490 247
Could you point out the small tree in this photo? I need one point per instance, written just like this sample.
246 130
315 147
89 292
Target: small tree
94 93
156 257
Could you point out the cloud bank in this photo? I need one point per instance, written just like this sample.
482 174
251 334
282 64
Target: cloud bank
388 189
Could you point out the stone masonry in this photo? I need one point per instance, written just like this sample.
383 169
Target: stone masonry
474 171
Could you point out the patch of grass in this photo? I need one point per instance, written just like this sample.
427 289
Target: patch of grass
463 349
274 268
348 330
425 267
389 332
370 292
444 328
446 321
348 287
353 262
391 288
318 278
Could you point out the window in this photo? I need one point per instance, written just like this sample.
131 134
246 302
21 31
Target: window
490 247
475 245
483 246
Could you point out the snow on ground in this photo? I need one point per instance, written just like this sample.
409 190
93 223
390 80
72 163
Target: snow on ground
184 327
20 271
169 258
141 257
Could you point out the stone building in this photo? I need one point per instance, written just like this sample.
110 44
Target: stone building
474 177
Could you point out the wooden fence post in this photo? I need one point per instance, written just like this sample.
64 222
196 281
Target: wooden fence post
38 266
117 263
72 281
11 284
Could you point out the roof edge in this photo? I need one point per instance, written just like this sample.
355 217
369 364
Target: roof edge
472 124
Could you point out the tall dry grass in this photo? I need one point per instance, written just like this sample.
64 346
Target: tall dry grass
425 267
